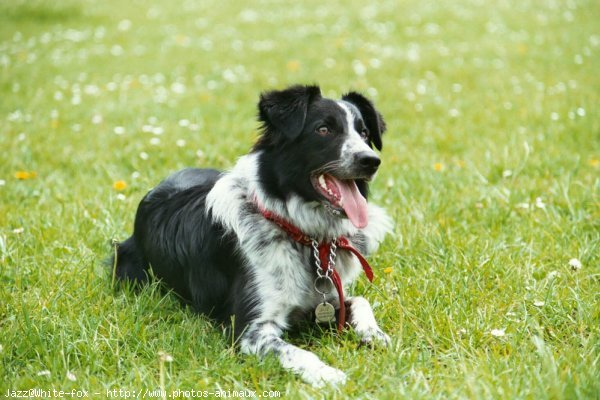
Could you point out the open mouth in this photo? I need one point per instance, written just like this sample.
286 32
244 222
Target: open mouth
342 196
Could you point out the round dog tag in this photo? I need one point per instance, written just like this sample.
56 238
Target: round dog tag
325 313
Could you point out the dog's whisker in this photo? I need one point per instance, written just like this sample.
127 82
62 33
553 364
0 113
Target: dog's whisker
331 166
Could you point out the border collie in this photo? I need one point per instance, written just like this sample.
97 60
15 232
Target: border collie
276 239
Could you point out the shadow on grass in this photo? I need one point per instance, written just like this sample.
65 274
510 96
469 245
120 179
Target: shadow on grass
39 11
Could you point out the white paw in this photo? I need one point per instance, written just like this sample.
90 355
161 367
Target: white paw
324 375
374 336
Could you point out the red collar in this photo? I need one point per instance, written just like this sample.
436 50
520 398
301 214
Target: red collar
324 251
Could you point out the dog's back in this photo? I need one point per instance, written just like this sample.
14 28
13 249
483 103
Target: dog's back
131 264
169 226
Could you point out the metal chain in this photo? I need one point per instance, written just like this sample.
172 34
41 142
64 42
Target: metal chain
332 255
315 247
331 262
328 271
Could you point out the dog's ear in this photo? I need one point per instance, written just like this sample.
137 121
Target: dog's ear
373 119
285 110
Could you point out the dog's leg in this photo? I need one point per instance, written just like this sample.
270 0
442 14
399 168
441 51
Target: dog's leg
361 318
264 338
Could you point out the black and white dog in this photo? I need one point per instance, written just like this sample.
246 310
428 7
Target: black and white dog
257 245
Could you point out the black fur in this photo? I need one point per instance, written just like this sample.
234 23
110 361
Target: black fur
285 111
373 119
187 251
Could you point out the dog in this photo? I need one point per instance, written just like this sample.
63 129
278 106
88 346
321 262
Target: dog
278 238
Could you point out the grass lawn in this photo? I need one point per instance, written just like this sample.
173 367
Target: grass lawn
490 285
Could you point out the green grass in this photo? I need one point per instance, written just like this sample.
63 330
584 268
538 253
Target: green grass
491 172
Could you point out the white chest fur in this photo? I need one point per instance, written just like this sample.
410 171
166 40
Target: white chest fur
282 270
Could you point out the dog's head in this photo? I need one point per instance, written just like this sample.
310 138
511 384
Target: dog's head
320 149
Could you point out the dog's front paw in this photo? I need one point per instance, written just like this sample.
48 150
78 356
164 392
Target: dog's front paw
374 336
324 375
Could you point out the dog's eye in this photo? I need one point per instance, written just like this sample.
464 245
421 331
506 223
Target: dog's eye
323 130
364 134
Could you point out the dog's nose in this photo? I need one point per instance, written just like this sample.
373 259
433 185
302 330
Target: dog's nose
367 161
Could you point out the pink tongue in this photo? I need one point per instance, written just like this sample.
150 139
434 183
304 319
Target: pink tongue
353 202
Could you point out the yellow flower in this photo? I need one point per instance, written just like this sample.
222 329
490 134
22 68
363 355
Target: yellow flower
205 97
120 185
293 65
438 166
594 162
23 175
388 270
183 40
